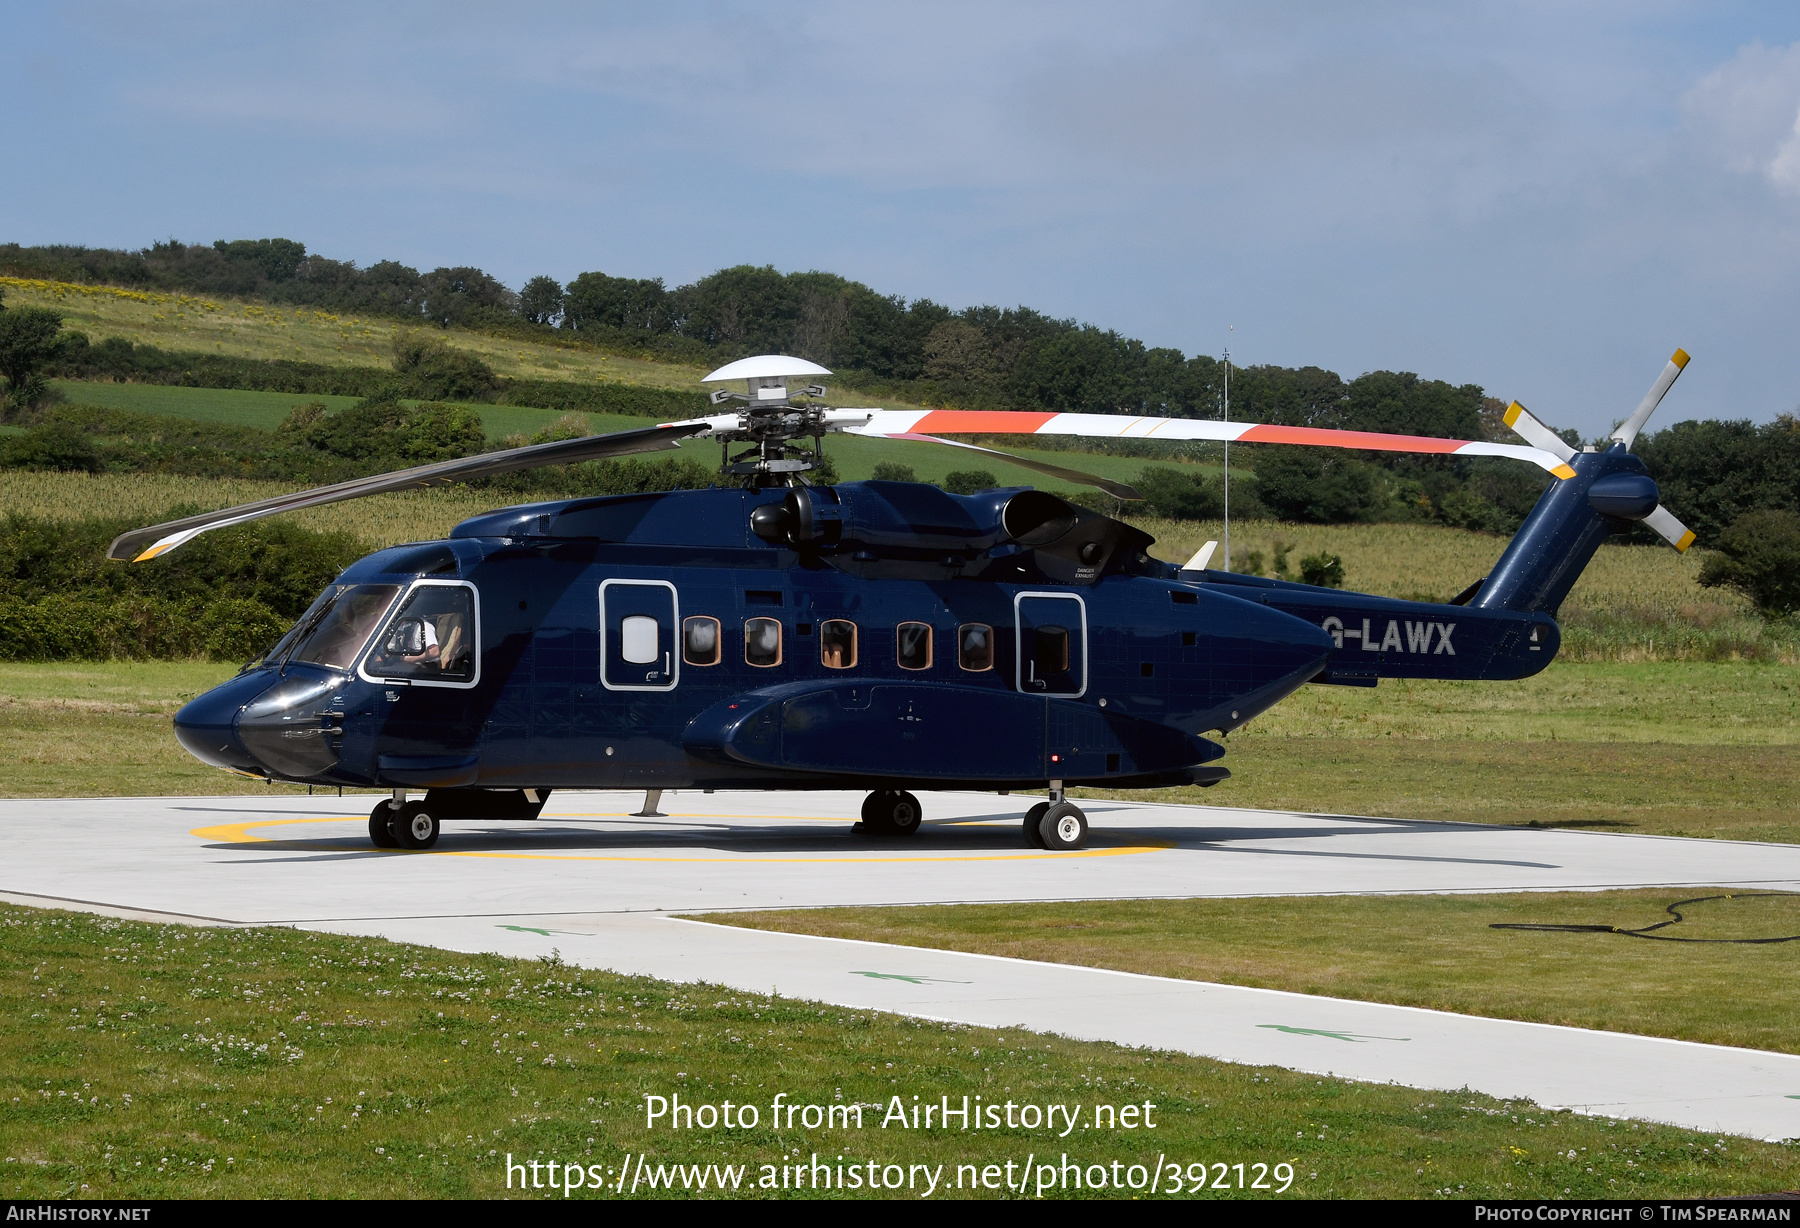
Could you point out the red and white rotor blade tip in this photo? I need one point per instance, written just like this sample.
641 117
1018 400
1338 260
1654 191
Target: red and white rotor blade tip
894 422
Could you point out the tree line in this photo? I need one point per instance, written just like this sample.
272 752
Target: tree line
978 357
1712 472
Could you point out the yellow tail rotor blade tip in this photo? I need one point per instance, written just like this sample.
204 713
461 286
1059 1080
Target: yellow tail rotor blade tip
1512 413
1679 358
1687 539
1563 471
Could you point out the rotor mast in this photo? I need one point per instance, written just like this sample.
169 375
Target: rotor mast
771 421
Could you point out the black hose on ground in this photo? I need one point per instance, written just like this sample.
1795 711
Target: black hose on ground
1676 918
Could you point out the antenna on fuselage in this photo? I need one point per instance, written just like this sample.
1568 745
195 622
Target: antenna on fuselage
1229 328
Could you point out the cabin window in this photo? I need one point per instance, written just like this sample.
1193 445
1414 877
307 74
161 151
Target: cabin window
762 641
431 639
975 647
1052 653
638 639
912 645
700 640
837 643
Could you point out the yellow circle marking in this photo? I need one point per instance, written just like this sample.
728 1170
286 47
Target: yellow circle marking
240 833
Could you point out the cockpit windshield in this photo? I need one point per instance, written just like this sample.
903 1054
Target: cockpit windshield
337 626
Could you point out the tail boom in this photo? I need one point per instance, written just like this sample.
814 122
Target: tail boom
1380 637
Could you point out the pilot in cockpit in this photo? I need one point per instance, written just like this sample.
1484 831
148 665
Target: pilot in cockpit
418 641
422 644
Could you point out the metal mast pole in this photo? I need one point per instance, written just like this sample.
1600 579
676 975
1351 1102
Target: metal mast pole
1228 460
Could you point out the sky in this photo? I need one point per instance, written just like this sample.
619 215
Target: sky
1541 198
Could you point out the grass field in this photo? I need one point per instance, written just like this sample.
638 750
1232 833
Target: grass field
254 330
101 729
1432 951
154 1061
1666 748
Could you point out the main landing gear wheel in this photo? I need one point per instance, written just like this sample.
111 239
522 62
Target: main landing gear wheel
1063 828
1032 817
413 826
891 812
381 833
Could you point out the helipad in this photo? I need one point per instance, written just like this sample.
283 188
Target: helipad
596 882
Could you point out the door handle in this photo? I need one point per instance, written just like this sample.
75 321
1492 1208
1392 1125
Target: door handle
667 662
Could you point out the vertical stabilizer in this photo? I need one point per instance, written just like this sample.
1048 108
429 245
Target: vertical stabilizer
1563 531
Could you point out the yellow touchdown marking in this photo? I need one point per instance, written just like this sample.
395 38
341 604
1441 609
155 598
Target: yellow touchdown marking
239 833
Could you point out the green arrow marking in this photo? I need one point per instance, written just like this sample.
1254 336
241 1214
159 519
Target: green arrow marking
911 980
532 929
1352 1037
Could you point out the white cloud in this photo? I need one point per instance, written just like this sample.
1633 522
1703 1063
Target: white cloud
1747 112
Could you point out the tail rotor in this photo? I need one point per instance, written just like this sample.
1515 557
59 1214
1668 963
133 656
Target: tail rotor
1623 496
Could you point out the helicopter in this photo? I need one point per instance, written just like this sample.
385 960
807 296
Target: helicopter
879 636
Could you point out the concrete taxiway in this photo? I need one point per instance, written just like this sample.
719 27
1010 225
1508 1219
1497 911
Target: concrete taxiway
596 883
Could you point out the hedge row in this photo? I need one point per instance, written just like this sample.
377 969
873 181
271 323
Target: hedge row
92 628
119 360
664 404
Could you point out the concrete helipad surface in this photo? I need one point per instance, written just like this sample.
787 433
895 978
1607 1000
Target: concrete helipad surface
595 883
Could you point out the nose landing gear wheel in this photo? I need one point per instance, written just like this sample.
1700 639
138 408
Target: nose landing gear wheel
891 812
1033 837
381 834
414 827
1063 828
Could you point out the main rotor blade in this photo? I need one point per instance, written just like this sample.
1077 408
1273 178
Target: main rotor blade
1536 433
1673 531
1118 490
141 544
894 423
1628 430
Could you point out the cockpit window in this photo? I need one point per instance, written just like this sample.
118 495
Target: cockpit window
339 623
431 639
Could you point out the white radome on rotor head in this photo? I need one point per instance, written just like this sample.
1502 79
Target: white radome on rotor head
765 366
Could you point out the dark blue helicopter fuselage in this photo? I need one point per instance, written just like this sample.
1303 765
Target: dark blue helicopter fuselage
872 635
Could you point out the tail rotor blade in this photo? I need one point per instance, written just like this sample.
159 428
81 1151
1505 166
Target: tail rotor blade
1536 433
1672 530
1628 430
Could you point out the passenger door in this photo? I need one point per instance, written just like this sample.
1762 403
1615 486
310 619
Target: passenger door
1051 644
638 629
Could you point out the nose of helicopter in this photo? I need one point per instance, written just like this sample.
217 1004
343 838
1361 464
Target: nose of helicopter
262 722
206 726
